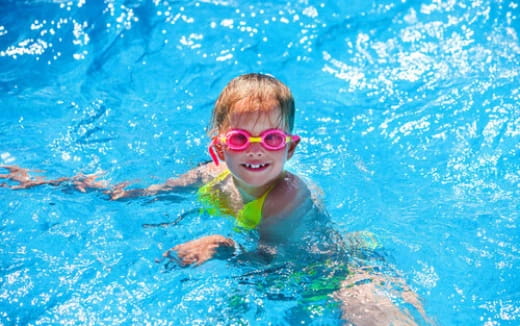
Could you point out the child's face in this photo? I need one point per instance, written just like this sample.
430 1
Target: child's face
256 167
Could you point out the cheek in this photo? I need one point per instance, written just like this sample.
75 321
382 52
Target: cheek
280 156
230 156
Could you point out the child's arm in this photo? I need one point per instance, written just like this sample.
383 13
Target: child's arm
23 180
191 178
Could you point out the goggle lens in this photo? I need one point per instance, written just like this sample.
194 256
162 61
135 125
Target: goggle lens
274 139
237 140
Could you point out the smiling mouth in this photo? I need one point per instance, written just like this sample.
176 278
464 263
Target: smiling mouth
255 167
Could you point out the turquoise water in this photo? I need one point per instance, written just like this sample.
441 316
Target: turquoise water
410 121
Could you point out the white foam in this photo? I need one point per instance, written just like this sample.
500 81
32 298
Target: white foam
7 158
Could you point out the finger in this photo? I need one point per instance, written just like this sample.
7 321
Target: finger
12 168
229 243
190 259
121 185
179 249
225 242
167 253
79 185
115 196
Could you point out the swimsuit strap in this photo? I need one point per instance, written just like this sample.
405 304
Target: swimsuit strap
248 217
208 187
219 178
251 214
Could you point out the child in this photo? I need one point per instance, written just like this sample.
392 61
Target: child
251 140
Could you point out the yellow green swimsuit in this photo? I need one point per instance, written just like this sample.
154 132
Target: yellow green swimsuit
217 203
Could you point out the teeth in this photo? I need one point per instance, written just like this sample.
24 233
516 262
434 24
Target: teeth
254 166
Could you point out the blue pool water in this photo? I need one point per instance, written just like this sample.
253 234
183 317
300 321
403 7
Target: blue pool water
410 120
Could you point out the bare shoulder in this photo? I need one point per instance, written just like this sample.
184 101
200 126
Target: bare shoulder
209 171
290 196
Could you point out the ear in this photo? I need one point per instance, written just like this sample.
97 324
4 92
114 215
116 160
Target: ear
292 148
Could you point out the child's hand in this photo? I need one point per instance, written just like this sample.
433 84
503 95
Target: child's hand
16 174
84 182
200 250
118 191
24 179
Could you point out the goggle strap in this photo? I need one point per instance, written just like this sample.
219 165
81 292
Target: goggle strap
212 153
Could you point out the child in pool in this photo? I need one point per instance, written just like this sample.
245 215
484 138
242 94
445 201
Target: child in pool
251 131
251 141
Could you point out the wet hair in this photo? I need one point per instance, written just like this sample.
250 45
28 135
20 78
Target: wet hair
258 91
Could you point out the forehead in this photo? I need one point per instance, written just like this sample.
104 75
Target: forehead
251 114
256 122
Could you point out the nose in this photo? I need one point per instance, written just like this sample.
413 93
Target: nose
255 150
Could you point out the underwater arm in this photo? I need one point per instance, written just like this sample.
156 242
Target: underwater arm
368 295
24 180
21 178
189 179
366 299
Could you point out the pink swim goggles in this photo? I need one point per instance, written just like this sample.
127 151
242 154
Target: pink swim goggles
240 139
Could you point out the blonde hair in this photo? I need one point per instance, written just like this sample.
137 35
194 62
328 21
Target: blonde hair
258 90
